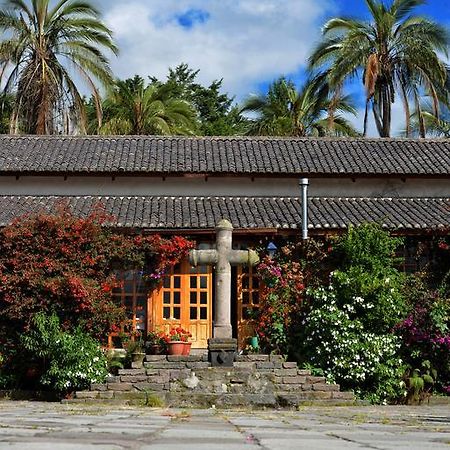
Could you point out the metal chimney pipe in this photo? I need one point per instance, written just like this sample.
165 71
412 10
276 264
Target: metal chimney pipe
304 183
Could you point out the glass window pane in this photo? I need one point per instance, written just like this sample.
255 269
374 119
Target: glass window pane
245 298
193 313
166 313
177 298
245 313
193 298
166 282
193 282
176 313
255 283
245 282
176 282
128 287
203 282
128 302
167 298
203 313
204 298
255 298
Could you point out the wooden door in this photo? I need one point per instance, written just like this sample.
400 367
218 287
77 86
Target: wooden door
248 295
184 299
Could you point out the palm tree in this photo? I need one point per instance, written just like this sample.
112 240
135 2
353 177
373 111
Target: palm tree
134 108
396 52
41 43
426 123
311 111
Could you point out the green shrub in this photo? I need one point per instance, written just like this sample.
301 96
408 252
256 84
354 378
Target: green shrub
336 340
348 327
71 360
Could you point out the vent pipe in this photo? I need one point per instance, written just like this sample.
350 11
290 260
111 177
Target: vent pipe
304 183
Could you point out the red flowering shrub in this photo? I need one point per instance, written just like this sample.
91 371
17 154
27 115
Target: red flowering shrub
284 279
64 264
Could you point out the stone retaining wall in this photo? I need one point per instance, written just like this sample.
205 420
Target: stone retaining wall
186 381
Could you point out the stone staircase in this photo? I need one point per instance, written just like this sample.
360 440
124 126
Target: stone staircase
190 381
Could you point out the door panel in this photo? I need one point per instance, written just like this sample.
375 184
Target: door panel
185 299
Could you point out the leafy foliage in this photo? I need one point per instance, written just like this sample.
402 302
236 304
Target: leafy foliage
314 110
134 107
65 264
284 282
347 328
69 360
42 42
426 335
215 111
334 338
396 53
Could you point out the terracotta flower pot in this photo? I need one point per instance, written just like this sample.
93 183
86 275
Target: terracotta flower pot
175 348
187 348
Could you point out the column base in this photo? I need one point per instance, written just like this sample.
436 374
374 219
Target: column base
222 352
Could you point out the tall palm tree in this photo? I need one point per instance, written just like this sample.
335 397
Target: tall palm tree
42 43
313 110
396 52
136 108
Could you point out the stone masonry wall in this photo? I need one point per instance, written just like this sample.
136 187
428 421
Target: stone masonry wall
190 381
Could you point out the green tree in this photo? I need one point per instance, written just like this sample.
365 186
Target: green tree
396 52
41 42
132 107
215 111
313 110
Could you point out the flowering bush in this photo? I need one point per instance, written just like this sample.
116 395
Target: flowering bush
348 326
177 334
280 303
284 279
426 332
64 265
67 360
336 340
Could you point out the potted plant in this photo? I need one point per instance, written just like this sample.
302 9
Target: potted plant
156 343
135 351
178 343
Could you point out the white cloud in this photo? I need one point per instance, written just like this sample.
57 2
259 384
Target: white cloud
244 41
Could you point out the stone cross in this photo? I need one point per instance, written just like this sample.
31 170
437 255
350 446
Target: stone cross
223 258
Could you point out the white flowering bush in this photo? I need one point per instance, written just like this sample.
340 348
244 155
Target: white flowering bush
336 341
71 360
348 326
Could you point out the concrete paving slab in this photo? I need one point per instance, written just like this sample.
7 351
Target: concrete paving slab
32 426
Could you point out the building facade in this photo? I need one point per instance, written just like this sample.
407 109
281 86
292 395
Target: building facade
187 185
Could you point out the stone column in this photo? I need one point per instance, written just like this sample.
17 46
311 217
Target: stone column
222 322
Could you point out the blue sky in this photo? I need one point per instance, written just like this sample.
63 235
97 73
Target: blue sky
248 43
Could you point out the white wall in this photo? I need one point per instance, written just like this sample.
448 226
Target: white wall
222 186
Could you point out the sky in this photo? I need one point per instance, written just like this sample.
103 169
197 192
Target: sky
248 43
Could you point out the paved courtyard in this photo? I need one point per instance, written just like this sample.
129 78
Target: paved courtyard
33 426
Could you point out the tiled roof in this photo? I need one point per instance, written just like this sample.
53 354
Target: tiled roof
161 213
257 156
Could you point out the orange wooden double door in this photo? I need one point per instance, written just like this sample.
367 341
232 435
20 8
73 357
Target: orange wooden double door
184 299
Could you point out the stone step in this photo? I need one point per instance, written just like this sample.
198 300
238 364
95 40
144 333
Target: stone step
294 399
219 400
176 358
